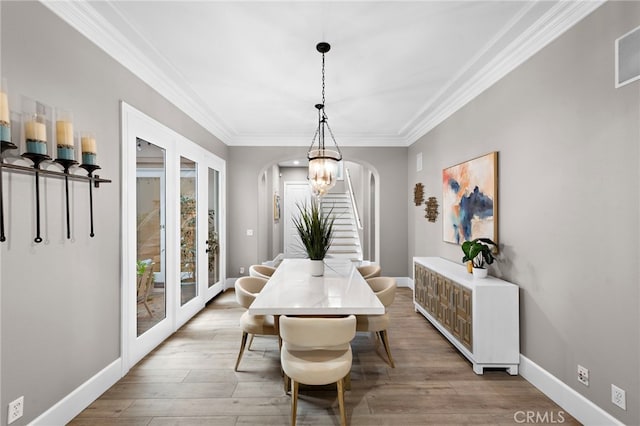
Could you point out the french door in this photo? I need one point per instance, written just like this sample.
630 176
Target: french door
173 240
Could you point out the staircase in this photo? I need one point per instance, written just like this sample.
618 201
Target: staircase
346 241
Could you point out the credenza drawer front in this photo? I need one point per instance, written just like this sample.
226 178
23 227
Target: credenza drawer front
420 284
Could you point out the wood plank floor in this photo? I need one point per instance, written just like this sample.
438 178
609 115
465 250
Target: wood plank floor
189 380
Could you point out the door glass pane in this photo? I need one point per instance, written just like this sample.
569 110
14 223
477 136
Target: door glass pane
188 221
213 242
150 248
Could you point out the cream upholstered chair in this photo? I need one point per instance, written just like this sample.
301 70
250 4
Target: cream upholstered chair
369 271
316 351
261 271
246 290
385 289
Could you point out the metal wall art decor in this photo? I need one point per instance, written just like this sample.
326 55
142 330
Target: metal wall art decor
418 194
469 200
431 209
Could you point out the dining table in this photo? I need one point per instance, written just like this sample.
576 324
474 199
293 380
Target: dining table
292 290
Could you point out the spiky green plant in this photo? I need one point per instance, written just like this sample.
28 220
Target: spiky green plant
314 228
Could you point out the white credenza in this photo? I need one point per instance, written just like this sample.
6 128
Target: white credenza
480 317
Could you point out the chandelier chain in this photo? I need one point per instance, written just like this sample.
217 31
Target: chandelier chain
323 79
334 139
313 141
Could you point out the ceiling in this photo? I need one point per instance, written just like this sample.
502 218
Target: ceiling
249 72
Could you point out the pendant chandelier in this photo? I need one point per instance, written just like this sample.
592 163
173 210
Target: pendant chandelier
323 162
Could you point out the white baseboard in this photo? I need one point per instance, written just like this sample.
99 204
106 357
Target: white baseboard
80 398
229 283
585 411
404 282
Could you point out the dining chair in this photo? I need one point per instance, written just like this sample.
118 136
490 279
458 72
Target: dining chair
246 290
369 271
316 351
144 288
261 271
385 289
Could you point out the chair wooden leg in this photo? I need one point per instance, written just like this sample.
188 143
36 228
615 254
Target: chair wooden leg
243 343
146 305
343 414
294 401
385 342
250 342
287 383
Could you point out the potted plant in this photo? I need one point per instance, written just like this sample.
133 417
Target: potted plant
479 252
315 230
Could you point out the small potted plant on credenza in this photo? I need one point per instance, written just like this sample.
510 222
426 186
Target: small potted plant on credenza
480 252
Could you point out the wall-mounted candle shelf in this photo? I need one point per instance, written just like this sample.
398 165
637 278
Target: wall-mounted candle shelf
37 171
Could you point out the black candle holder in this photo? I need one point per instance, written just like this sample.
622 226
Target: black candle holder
5 146
90 168
37 159
66 164
8 145
36 170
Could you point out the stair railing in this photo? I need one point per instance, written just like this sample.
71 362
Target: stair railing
352 197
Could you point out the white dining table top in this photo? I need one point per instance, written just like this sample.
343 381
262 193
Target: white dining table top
293 291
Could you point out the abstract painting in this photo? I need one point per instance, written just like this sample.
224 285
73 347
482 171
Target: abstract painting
469 200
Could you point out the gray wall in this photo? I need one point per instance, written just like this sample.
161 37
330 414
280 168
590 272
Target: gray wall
568 202
246 163
60 312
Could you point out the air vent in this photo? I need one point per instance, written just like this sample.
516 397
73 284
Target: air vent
628 58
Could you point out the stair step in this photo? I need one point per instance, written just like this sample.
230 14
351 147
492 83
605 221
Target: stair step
350 242
350 256
342 221
344 234
338 251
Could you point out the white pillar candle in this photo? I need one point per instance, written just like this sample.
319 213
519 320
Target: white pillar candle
64 133
4 107
88 144
35 131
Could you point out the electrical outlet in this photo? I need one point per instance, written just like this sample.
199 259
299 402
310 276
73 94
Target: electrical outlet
241 270
16 408
583 375
618 397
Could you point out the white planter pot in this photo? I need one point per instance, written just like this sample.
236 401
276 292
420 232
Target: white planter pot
480 273
317 268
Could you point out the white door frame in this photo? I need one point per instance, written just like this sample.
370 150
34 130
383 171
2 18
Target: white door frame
210 161
289 211
136 124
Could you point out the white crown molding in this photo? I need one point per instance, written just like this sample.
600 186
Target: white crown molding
305 140
83 17
551 25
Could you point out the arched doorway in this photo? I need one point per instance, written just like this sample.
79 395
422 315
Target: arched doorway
271 194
